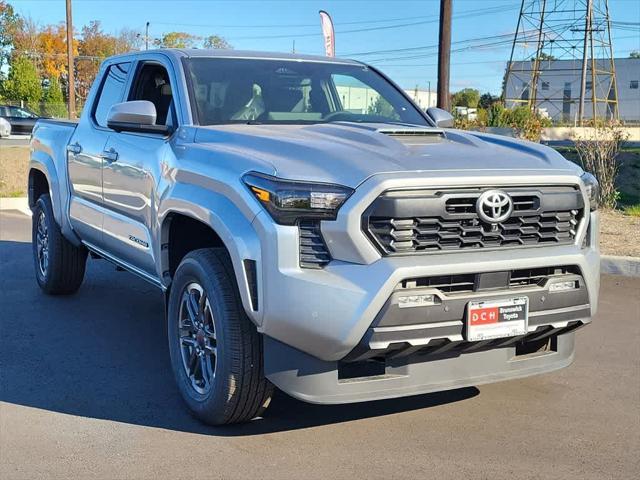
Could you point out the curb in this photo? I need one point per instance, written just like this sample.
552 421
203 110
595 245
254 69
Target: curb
627 266
20 203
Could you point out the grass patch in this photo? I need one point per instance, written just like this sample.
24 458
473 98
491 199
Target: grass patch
14 166
633 210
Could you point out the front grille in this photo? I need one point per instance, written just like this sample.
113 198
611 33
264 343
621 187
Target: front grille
436 221
471 282
313 251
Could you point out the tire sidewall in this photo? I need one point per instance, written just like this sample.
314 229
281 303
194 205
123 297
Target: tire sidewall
191 270
43 205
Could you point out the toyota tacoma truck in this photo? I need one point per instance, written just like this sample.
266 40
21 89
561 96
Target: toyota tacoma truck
314 230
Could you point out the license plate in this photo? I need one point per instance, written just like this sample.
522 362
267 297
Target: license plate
497 319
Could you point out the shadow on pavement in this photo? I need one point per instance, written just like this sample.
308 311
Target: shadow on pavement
102 353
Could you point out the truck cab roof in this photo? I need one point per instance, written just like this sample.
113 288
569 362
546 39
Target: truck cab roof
177 53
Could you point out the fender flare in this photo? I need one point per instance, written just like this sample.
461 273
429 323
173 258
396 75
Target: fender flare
45 165
228 222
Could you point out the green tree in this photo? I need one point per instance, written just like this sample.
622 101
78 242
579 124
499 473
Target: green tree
23 83
53 100
486 100
383 108
635 54
10 26
176 40
546 56
467 97
216 41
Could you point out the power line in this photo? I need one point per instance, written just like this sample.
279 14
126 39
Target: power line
423 47
339 24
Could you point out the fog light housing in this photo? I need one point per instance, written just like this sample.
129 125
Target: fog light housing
563 286
420 300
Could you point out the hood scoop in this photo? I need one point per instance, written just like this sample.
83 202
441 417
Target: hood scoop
414 136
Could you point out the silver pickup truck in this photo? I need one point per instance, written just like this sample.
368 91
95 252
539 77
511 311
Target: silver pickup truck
313 229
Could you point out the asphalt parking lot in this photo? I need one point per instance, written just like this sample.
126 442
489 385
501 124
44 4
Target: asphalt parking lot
86 391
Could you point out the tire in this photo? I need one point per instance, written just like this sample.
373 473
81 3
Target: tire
236 390
59 264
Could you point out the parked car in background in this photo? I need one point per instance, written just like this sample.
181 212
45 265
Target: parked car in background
21 119
5 128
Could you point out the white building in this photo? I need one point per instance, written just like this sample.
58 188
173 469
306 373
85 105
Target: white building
424 98
558 88
359 98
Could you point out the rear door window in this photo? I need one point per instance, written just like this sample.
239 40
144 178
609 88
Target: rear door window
112 91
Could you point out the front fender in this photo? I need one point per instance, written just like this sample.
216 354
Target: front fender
231 225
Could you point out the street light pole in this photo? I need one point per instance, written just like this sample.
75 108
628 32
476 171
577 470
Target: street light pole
71 81
444 54
146 37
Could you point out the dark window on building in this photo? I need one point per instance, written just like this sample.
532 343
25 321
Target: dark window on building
112 91
589 85
566 102
545 85
633 85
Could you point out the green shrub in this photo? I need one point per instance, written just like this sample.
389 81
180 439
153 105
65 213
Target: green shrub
23 83
53 101
599 155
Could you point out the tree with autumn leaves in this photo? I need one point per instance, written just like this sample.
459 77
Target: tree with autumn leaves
33 58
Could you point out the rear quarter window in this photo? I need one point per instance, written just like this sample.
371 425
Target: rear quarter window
111 91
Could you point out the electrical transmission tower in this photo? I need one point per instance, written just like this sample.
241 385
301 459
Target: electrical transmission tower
562 60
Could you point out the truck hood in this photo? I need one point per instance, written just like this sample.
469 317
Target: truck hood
349 153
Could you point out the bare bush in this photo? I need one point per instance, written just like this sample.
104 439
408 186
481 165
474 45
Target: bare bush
599 155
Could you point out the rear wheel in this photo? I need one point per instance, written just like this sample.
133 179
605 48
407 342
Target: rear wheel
216 352
59 264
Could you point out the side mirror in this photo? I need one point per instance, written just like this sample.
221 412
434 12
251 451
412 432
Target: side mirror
135 116
440 117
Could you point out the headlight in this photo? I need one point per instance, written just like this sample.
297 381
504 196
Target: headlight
288 201
593 190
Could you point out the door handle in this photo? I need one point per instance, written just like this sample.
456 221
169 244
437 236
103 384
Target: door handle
110 155
74 148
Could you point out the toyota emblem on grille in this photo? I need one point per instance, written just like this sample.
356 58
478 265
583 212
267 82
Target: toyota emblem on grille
494 206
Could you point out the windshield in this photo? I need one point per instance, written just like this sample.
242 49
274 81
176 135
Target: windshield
230 90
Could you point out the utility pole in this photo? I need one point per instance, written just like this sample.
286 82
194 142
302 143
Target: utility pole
71 81
146 37
444 54
574 36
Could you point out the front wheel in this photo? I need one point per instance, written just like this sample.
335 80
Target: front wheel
216 352
58 263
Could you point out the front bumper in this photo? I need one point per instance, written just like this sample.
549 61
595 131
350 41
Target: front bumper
315 320
311 380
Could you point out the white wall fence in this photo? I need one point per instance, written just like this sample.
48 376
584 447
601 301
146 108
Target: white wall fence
566 133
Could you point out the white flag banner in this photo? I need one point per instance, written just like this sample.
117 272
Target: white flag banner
328 33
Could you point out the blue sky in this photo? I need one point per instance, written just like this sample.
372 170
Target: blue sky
362 26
